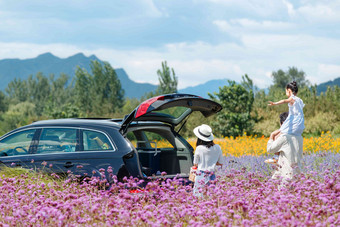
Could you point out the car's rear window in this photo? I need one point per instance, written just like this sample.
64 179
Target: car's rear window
175 111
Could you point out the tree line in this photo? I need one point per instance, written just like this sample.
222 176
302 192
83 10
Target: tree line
99 94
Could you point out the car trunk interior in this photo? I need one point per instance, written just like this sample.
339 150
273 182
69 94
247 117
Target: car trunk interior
159 150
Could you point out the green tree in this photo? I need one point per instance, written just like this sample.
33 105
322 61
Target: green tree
61 89
66 110
61 103
109 94
17 115
235 118
35 90
167 80
314 98
82 90
17 91
297 75
130 105
39 91
99 93
3 103
282 78
248 84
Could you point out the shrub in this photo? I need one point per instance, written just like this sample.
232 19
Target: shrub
321 122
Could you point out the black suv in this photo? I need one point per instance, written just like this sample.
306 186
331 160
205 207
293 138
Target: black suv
142 144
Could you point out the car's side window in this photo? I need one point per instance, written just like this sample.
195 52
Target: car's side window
17 143
95 141
55 140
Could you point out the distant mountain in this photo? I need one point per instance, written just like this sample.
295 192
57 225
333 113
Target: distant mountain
323 87
45 63
49 64
133 89
203 89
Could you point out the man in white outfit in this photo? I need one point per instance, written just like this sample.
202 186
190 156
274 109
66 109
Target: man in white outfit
290 149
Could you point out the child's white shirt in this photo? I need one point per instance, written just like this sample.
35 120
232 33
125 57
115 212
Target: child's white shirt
295 122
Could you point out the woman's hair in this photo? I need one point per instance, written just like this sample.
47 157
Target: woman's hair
204 143
293 86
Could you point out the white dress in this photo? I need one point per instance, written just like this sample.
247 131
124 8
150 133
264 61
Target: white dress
295 122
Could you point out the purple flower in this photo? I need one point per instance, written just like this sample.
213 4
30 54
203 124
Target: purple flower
235 198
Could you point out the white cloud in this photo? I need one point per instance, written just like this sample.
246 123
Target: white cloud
142 65
321 12
30 50
193 72
223 25
328 71
295 48
290 7
237 27
36 21
151 9
263 8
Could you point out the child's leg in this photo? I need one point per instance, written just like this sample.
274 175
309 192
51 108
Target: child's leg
274 159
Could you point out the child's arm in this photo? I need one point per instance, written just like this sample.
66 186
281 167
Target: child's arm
275 134
280 102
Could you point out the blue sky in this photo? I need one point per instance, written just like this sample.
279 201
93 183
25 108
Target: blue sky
200 39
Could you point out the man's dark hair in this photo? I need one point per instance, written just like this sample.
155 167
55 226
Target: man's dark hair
204 143
283 117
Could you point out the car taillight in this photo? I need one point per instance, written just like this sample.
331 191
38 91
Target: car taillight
143 108
136 191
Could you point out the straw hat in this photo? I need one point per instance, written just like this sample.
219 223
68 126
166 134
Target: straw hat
204 132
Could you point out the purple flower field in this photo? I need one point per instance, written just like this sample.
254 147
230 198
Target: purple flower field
243 195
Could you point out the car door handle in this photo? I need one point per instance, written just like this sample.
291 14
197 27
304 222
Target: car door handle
68 165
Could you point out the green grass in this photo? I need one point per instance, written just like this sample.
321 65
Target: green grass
28 174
